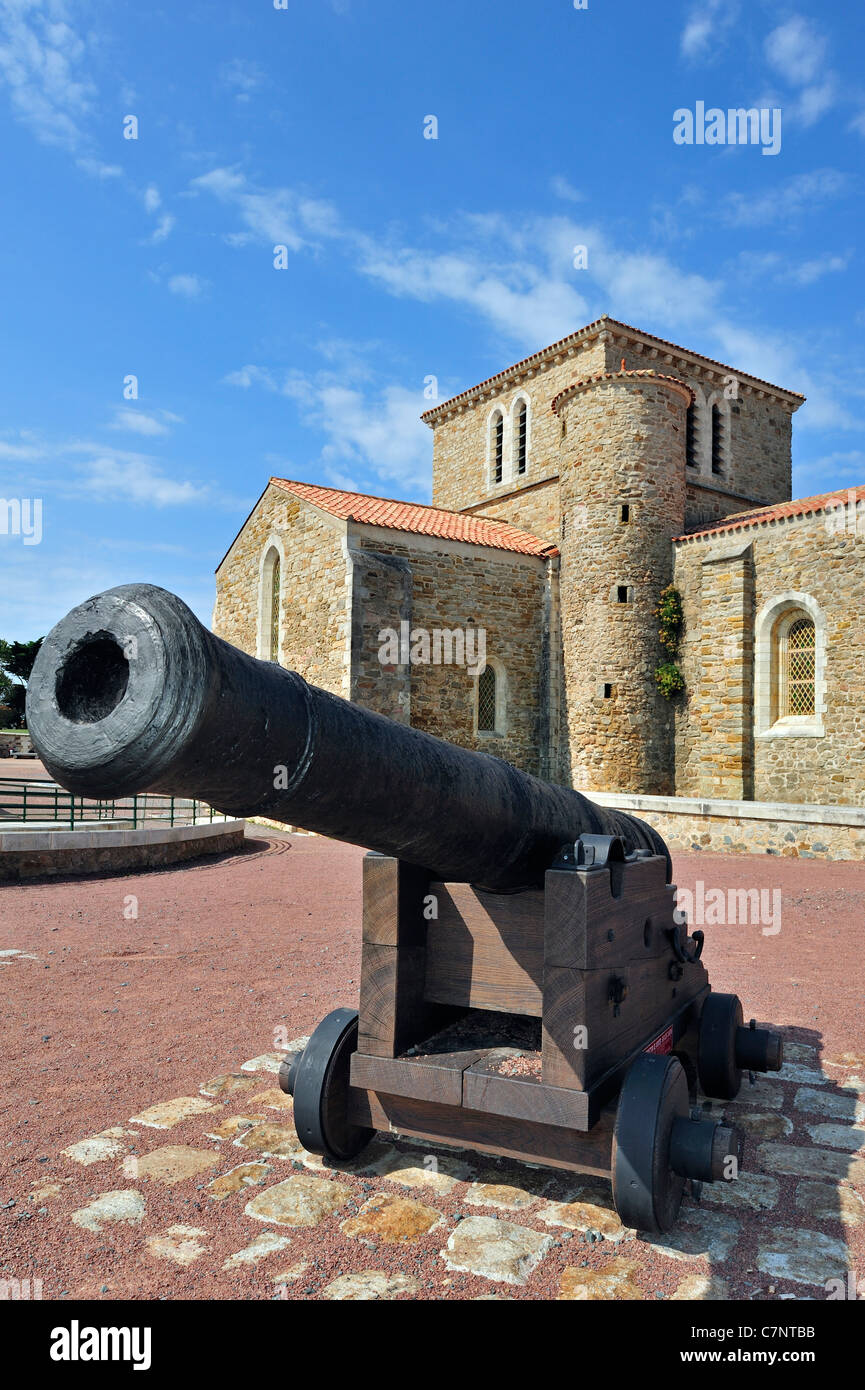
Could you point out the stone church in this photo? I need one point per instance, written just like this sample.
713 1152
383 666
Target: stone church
570 491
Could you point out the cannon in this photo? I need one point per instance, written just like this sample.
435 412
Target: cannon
527 986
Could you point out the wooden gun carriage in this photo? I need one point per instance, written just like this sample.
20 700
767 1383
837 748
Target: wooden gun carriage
527 987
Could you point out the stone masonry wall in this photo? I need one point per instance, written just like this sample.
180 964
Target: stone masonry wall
455 585
757 465
460 477
623 446
805 555
314 589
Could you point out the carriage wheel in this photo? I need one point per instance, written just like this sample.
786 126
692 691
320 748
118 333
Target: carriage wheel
720 1075
320 1086
646 1191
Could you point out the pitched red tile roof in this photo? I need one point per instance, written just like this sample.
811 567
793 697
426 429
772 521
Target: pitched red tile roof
537 358
757 516
416 518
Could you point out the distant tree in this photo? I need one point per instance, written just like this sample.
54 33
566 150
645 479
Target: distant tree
16 664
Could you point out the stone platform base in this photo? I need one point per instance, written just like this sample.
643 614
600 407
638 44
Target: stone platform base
748 827
37 853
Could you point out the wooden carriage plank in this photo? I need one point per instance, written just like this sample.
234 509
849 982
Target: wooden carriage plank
580 999
435 1077
486 950
554 1146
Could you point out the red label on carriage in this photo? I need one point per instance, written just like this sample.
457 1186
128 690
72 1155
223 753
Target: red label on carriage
663 1042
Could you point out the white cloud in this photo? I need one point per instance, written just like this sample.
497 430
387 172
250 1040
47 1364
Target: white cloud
19 451
796 50
139 422
163 227
152 200
243 77
562 188
42 64
802 193
707 28
188 286
278 216
112 476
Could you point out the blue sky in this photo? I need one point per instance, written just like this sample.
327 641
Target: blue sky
406 257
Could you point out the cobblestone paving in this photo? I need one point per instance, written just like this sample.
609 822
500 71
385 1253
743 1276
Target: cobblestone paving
411 1220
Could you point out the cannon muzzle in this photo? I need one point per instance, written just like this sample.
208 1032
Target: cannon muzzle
130 693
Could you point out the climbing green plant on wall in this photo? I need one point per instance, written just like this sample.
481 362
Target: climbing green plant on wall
671 619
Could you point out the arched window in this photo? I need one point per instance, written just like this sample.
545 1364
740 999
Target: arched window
522 436
487 701
790 668
273 632
717 439
498 446
691 435
797 669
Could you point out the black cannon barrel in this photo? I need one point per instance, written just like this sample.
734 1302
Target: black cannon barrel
130 693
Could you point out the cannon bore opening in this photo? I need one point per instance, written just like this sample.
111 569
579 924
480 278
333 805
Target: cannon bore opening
93 679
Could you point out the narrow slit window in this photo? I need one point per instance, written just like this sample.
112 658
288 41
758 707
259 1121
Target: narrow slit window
717 439
498 447
608 692
487 701
274 611
691 436
625 513
522 437
622 593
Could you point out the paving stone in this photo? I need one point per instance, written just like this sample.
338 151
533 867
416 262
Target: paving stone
806 1257
613 1282
171 1112
369 1284
96 1149
438 1173
393 1220
829 1103
794 1071
698 1233
230 1128
48 1191
585 1208
274 1099
825 1202
811 1163
291 1273
495 1249
704 1287
763 1124
847 1060
502 1195
268 1243
271 1139
225 1086
846 1137
269 1061
173 1163
179 1244
752 1191
763 1095
125 1206
236 1179
299 1201
801 1052
361 1164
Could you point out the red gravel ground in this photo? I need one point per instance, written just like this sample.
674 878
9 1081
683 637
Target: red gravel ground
115 1015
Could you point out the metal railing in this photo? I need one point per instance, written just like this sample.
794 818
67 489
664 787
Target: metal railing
28 799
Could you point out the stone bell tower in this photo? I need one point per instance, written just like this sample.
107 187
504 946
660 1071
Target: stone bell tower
622 480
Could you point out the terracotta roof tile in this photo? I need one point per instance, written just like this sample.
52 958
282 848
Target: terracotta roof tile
777 511
417 518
